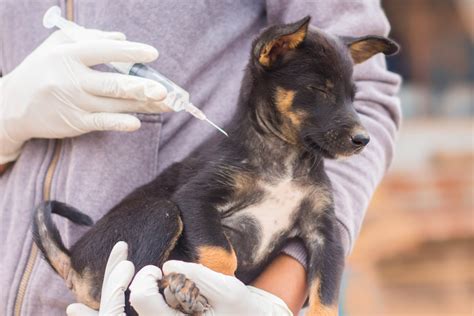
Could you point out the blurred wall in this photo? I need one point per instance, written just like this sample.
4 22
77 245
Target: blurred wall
415 253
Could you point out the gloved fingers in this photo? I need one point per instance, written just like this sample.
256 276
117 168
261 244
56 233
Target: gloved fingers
62 37
118 254
115 85
95 52
144 295
119 279
215 286
110 122
78 309
56 38
95 104
93 33
146 280
112 300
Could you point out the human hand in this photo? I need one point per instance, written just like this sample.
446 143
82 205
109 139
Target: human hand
145 296
54 94
226 294
118 274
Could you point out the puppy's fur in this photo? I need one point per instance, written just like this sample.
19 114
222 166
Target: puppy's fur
233 204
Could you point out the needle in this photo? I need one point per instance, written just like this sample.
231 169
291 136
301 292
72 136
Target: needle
217 127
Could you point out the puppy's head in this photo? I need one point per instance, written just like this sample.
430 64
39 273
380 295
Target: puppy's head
304 87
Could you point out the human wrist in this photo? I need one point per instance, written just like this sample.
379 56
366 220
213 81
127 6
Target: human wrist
9 148
295 249
285 278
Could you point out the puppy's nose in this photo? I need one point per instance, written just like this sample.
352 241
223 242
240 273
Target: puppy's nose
360 140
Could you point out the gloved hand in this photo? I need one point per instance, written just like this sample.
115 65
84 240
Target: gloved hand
117 277
227 295
54 94
145 297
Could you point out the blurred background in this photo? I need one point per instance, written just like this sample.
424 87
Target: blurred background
415 253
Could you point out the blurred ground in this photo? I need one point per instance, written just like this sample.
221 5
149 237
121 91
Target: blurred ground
415 254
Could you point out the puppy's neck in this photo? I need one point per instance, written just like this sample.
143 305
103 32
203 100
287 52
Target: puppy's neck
267 144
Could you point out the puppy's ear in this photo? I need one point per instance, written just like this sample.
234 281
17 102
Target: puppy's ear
363 48
276 41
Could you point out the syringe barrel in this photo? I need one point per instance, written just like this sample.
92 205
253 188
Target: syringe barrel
177 97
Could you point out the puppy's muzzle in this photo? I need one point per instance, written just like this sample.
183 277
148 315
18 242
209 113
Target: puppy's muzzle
360 140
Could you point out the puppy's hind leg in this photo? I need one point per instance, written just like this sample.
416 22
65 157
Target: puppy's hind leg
183 294
158 227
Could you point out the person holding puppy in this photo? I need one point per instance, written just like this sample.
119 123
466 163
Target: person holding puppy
67 132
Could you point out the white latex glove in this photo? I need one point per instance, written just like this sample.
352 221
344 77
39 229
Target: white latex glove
227 295
54 94
144 295
118 274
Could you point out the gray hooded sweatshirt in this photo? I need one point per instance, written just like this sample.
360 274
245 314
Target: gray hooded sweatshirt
204 47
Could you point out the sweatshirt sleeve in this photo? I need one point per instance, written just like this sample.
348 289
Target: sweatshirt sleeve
354 180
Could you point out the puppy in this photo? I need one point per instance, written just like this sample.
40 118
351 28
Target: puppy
233 204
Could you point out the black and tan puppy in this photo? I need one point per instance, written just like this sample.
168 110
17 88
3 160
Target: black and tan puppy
232 205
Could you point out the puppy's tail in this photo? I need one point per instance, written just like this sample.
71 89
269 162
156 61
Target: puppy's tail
47 238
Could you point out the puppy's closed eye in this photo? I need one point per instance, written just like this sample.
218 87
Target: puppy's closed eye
316 88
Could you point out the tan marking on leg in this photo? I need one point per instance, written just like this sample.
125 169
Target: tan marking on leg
172 243
218 259
60 261
316 308
82 289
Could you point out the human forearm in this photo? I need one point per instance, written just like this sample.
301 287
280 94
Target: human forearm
285 277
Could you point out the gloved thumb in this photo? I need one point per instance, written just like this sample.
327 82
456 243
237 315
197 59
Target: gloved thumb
62 36
144 295
112 298
110 122
118 254
93 33
78 309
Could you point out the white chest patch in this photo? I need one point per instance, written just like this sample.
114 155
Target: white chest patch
274 213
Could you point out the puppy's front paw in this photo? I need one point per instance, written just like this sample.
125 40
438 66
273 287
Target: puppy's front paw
182 294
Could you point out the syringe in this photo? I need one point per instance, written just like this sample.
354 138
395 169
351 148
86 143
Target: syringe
177 98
